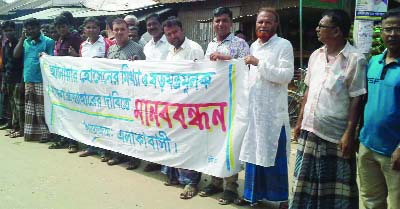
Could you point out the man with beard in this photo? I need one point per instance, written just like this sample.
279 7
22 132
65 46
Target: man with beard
31 44
224 46
182 48
325 169
267 140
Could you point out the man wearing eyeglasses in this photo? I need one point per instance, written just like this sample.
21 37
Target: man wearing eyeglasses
325 169
379 154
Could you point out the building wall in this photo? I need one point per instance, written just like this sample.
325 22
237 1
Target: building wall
202 32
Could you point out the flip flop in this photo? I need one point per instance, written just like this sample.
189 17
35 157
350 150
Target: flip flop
210 190
16 134
188 189
10 132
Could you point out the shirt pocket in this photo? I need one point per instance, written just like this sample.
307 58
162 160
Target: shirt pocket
335 82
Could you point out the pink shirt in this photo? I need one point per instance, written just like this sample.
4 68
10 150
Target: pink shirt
330 89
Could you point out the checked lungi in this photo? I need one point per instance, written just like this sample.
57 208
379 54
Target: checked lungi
323 179
35 125
17 105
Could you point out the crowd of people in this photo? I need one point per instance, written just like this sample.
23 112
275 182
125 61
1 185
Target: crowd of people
345 93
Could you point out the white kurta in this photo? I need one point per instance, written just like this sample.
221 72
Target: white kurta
268 105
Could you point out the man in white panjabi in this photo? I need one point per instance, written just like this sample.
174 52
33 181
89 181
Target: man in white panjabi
266 143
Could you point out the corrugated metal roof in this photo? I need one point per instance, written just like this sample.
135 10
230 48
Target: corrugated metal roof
176 1
2 3
22 4
117 5
51 13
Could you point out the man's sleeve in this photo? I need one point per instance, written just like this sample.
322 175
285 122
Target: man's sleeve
244 49
50 47
357 81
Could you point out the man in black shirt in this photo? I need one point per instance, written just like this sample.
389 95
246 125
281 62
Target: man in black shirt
13 82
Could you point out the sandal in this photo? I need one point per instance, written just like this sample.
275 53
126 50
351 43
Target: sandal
116 160
16 134
58 145
73 149
210 190
133 164
188 192
10 132
227 197
152 167
241 202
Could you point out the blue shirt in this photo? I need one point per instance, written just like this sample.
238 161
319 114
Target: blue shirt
32 73
381 130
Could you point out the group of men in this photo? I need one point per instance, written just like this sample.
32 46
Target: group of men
337 80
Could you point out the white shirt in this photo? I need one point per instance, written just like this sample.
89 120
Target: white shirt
157 50
97 49
268 104
330 88
189 50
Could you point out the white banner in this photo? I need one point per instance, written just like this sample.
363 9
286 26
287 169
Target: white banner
183 114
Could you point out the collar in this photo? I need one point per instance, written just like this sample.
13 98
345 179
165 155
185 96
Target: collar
100 39
184 45
272 39
382 57
345 51
228 38
40 39
162 39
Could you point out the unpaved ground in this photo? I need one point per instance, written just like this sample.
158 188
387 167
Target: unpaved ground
34 177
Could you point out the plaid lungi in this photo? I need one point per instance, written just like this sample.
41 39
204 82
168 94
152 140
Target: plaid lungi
270 183
323 179
35 125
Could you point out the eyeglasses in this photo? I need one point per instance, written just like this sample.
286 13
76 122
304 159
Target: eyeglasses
325 26
395 30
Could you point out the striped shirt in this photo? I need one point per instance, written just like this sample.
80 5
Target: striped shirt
127 52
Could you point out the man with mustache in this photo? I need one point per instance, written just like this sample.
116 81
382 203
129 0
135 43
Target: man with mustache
182 48
379 154
325 169
157 47
124 49
224 46
267 140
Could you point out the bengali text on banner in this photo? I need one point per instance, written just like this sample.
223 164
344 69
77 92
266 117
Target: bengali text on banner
182 114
